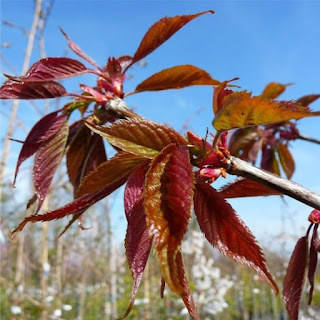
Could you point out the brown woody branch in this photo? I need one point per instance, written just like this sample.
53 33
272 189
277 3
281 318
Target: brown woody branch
241 168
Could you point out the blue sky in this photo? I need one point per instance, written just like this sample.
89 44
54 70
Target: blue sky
257 41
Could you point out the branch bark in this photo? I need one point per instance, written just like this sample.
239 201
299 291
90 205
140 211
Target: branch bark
241 168
305 138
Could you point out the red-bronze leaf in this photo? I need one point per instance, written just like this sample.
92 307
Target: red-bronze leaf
75 207
134 187
306 100
49 69
176 78
138 242
125 61
47 161
78 147
239 109
139 136
227 232
86 152
269 161
42 131
295 278
313 260
78 51
286 160
316 241
161 31
95 166
31 90
241 138
121 165
186 296
246 188
168 200
138 245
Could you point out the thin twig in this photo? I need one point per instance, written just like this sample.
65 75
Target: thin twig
241 168
306 138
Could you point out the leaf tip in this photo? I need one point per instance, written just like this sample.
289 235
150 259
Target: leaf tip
62 31
18 229
8 76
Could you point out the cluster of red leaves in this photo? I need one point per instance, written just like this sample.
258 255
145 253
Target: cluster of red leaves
271 139
161 189
166 175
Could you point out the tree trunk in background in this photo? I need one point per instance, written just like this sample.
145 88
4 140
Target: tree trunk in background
111 268
44 262
15 104
82 296
58 273
45 269
19 273
20 265
113 275
275 309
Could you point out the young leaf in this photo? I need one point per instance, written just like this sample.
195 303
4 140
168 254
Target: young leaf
138 245
121 165
42 131
219 93
31 90
286 159
77 50
295 278
239 109
306 100
161 31
269 161
241 138
273 90
139 136
246 188
48 69
138 242
78 148
227 232
186 295
114 71
168 200
134 187
95 157
47 161
252 151
96 154
316 241
176 78
125 61
313 260
79 205
86 152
